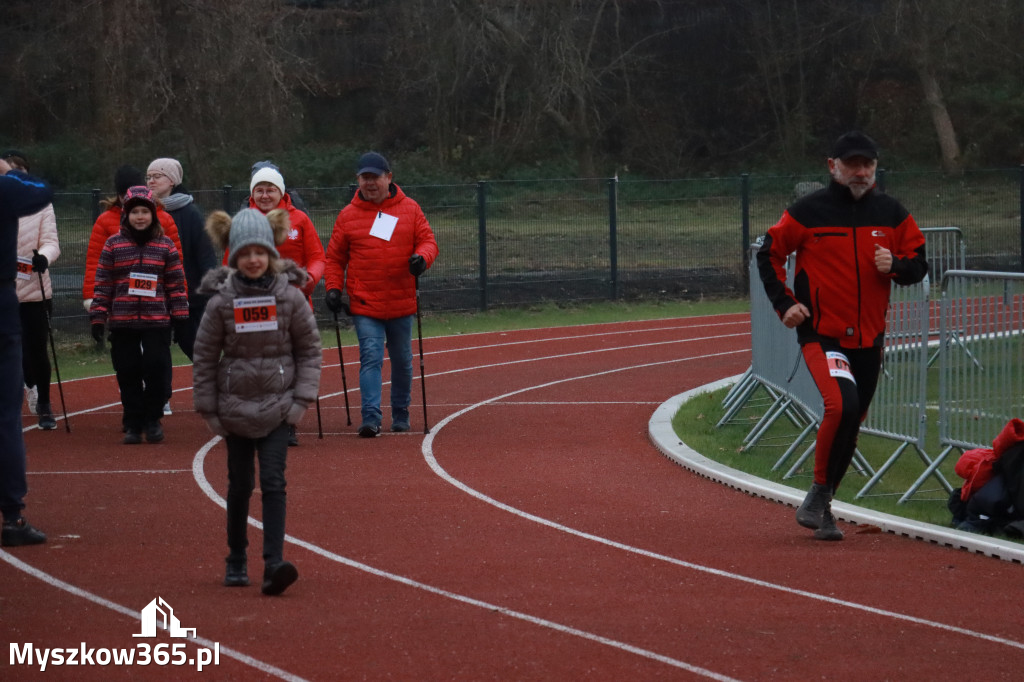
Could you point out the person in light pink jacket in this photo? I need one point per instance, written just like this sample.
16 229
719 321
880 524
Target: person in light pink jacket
38 248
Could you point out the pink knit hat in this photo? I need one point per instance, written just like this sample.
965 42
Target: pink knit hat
169 167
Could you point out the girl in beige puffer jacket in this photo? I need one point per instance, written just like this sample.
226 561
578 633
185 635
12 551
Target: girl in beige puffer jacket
256 369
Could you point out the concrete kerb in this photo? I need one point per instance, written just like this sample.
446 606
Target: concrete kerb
664 437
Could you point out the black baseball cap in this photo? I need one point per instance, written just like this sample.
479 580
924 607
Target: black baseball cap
854 143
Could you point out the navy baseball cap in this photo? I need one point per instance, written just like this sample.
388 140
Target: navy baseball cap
372 162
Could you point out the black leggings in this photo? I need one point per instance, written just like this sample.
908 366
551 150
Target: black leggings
35 356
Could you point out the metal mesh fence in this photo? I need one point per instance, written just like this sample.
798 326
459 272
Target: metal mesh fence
509 243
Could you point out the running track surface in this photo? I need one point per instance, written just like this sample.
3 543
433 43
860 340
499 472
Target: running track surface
534 534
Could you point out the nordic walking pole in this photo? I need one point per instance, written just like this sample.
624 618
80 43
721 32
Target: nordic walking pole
53 349
341 361
423 378
319 422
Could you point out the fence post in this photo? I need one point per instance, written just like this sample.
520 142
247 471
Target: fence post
745 228
613 248
95 205
1021 214
481 212
226 191
881 179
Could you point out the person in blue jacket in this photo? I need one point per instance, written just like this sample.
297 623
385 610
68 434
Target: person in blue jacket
20 195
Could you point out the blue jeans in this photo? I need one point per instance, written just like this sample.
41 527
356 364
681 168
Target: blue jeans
373 336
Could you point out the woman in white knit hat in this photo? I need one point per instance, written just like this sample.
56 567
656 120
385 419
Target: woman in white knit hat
302 244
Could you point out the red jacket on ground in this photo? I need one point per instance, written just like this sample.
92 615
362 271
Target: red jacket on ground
975 466
109 224
377 277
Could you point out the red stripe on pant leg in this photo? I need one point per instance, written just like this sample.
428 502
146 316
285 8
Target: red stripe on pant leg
814 356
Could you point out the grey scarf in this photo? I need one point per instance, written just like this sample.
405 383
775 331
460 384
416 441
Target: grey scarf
176 201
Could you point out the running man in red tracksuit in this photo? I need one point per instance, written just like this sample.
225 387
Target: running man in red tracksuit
851 241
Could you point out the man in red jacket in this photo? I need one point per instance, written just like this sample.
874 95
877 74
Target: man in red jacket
851 242
380 244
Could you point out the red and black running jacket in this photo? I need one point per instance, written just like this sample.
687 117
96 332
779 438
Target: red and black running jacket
834 237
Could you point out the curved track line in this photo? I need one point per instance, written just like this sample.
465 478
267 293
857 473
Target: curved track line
200 477
428 455
125 611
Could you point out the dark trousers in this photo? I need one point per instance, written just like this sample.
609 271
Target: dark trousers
271 451
13 484
142 360
847 385
35 328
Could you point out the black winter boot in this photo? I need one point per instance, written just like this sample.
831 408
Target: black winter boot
277 576
810 513
828 529
46 420
236 574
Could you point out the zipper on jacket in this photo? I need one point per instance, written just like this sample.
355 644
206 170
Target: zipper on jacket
856 263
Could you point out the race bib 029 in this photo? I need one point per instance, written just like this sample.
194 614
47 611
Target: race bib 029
142 284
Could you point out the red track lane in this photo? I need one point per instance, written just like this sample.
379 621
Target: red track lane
534 534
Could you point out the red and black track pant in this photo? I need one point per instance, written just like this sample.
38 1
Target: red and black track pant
846 378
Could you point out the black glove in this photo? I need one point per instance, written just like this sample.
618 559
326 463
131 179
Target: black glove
97 332
337 302
417 266
39 262
181 334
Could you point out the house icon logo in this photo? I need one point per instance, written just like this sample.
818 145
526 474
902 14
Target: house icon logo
166 613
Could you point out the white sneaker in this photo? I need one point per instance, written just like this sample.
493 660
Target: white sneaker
32 396
167 408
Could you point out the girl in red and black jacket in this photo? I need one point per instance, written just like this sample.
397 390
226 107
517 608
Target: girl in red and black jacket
851 242
139 294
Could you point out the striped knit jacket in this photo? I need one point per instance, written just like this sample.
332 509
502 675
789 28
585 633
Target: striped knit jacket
121 259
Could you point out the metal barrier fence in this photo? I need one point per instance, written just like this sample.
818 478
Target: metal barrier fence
981 384
522 242
899 408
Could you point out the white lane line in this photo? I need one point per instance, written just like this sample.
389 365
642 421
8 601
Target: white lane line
135 615
111 471
200 477
560 356
583 336
428 455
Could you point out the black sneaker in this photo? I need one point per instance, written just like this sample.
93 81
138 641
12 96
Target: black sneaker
237 574
154 432
132 436
46 420
18 533
369 430
277 577
293 438
400 425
